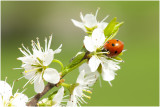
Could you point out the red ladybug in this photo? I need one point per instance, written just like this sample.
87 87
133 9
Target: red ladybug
114 47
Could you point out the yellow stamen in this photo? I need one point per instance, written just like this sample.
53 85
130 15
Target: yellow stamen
87 96
90 92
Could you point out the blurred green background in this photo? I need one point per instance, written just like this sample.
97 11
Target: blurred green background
137 83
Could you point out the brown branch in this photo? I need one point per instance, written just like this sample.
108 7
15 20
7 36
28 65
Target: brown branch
35 99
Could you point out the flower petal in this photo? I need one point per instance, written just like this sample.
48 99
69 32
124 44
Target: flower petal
78 24
72 102
19 100
81 16
58 50
29 75
80 78
98 37
86 68
59 96
108 73
88 43
90 20
102 25
90 77
94 62
5 90
38 84
28 59
1 101
51 75
78 91
48 57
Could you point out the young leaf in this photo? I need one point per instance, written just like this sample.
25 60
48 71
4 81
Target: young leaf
76 59
110 27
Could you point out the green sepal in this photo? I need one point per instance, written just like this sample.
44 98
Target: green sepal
46 103
117 58
72 87
120 54
100 69
90 29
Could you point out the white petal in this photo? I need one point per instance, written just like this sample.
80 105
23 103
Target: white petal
48 57
51 75
77 24
28 66
102 25
88 43
28 60
59 96
86 68
78 91
98 37
1 101
5 90
58 50
72 102
80 78
39 84
90 20
94 63
107 73
90 77
19 100
29 75
38 54
113 65
81 16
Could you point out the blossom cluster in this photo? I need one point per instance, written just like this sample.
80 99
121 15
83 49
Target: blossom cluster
93 61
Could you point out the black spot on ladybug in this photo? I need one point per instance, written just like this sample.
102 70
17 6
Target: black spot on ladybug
107 49
117 40
115 52
112 44
107 42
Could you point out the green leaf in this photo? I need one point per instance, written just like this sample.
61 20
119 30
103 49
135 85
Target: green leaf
76 59
115 30
110 27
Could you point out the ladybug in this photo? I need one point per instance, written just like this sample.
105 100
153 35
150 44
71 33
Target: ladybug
114 46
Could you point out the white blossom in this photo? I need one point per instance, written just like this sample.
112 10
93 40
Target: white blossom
84 82
7 99
89 22
56 101
36 65
58 97
93 44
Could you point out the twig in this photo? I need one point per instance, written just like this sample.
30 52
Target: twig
35 99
